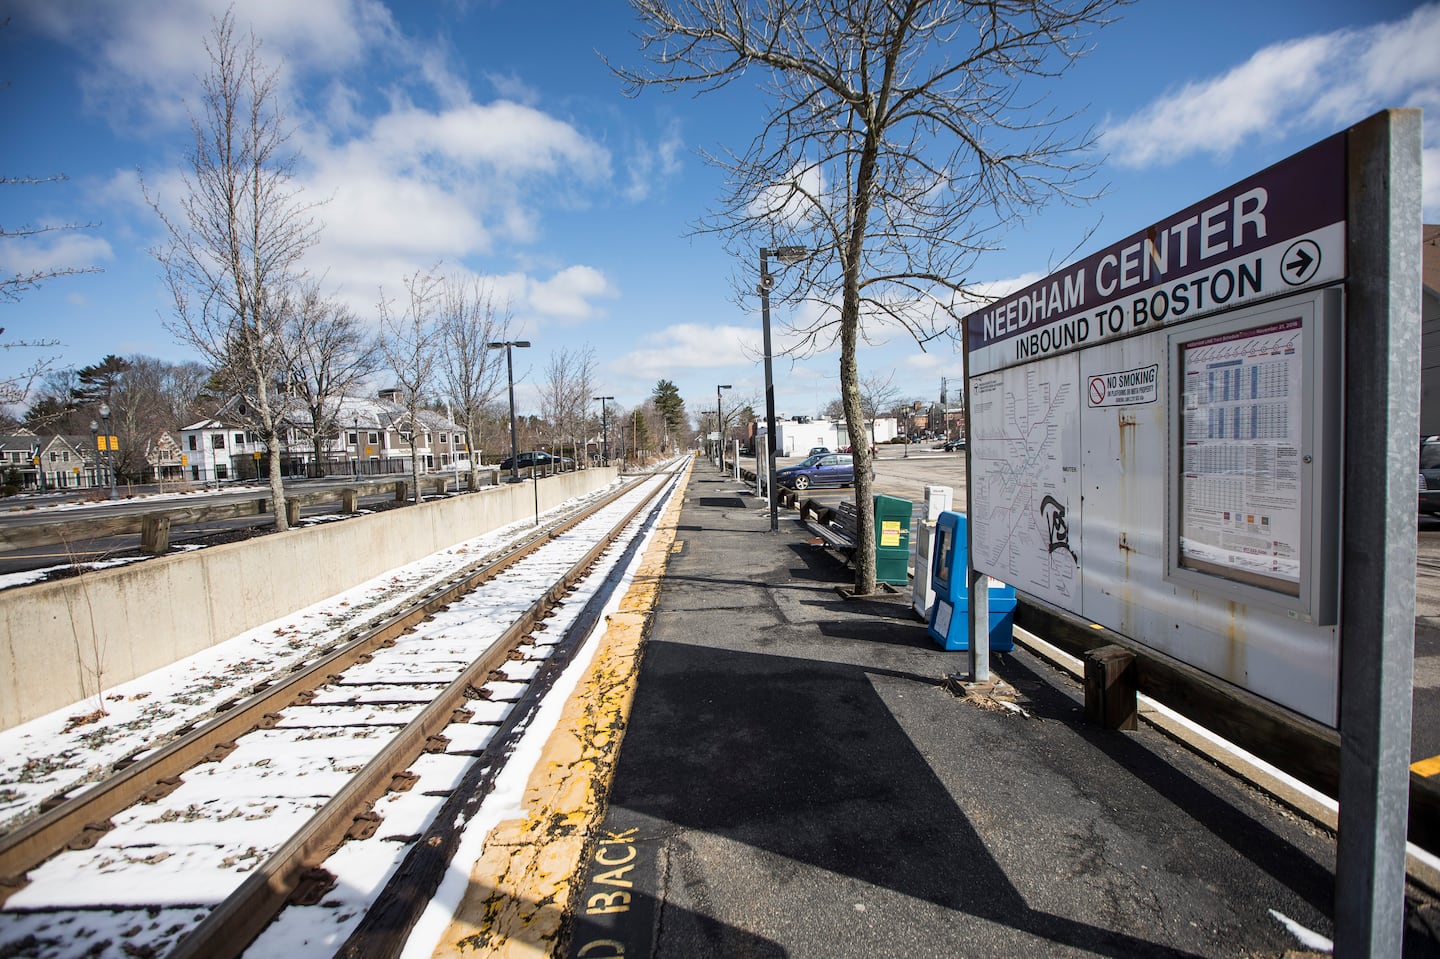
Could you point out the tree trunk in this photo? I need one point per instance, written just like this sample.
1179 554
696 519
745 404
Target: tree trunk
470 452
277 481
415 467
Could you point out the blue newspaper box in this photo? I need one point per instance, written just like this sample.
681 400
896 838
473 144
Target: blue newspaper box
950 616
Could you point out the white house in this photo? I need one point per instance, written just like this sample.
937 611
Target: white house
372 438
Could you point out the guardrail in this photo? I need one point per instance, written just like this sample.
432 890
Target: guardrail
153 524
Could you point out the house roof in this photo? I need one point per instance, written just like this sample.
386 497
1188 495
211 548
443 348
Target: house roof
370 413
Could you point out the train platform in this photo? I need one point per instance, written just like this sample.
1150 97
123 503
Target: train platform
798 779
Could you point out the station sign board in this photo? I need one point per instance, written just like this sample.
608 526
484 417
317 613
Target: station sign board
1277 232
1154 433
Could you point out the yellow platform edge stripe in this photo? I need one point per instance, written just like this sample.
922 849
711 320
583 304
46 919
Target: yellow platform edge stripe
1426 767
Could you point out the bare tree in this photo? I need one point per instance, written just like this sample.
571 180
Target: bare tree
877 394
15 388
565 397
153 397
471 374
902 135
331 355
410 342
235 243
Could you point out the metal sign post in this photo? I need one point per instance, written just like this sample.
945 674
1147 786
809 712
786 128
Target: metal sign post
1382 379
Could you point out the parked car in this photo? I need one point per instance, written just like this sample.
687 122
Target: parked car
956 444
524 461
824 469
818 451
1430 474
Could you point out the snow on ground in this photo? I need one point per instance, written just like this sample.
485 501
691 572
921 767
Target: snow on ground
68 747
362 866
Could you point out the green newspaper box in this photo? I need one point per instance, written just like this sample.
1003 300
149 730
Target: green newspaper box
892 540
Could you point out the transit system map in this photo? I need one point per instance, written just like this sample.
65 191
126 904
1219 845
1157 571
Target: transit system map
1025 495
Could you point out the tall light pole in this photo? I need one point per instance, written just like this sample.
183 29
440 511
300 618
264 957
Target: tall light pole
95 442
785 254
604 430
109 446
355 463
510 374
719 429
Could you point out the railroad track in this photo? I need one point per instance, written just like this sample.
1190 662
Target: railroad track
342 787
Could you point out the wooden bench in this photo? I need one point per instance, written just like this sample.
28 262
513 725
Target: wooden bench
839 528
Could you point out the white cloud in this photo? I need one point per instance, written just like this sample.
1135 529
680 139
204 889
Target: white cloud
691 346
792 202
568 294
504 138
60 250
145 56
1315 82
649 165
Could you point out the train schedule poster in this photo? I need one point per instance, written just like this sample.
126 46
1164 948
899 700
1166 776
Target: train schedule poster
1240 491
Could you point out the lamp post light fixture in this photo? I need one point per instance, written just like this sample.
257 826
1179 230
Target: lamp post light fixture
109 447
719 429
507 345
95 442
604 430
787 255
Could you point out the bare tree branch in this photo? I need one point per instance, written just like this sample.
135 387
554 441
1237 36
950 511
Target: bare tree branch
903 138
410 341
470 373
232 263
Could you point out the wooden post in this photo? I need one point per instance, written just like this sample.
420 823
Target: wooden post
400 496
1110 687
350 500
292 512
155 534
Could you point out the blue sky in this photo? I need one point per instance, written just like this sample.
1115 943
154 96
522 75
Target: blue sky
489 137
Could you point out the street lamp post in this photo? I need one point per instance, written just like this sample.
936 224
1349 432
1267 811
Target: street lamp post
95 442
109 447
719 429
785 254
507 345
604 431
355 463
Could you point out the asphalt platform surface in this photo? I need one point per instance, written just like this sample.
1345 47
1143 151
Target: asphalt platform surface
798 781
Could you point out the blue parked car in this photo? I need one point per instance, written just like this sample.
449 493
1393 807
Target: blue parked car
824 469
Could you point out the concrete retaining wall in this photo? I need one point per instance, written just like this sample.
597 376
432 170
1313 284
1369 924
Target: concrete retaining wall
137 618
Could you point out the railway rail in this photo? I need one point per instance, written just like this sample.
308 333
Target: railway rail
333 796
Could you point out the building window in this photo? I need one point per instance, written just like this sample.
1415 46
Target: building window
191 438
374 439
217 441
194 470
54 457
239 439
354 439
221 472
65 456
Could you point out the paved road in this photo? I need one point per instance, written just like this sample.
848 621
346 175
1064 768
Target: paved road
907 478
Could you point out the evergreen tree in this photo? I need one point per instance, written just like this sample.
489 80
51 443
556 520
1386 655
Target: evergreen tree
98 383
671 407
